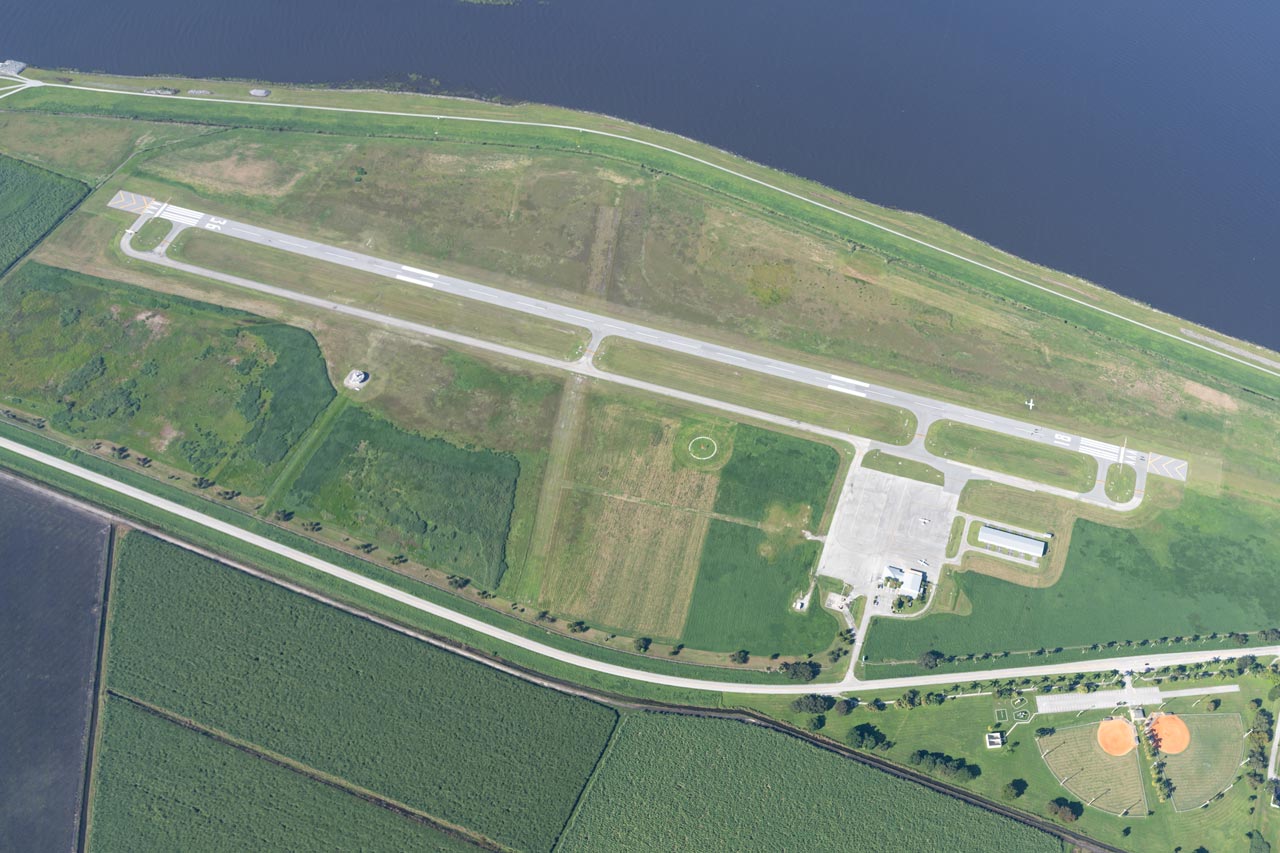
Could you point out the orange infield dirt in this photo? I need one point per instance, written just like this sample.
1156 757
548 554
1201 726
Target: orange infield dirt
1116 736
1171 733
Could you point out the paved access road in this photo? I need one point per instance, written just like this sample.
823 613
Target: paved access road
926 409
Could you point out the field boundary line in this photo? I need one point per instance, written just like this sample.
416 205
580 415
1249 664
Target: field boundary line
701 161
591 780
305 449
94 734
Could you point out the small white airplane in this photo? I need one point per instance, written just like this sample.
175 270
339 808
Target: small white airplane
1031 403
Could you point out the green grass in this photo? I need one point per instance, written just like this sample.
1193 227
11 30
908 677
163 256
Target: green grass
162 787
676 783
1121 481
1184 573
770 469
797 400
208 390
1019 457
878 460
151 234
747 581
443 735
1112 783
440 504
955 537
1210 763
32 201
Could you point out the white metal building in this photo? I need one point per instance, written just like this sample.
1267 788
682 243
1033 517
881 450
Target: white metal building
997 538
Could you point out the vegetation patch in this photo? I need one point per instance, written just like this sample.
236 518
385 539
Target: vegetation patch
32 201
773 468
680 783
1112 783
1210 761
443 735
878 460
1121 481
445 506
747 582
995 451
209 390
159 786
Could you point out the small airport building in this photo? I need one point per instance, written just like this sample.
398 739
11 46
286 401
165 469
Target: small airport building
909 582
998 538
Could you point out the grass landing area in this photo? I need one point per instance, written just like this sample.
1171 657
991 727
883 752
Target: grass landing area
380 711
878 460
1121 481
1016 456
32 200
1200 568
803 402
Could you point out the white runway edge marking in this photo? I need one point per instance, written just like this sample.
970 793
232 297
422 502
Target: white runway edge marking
846 390
427 273
850 381
414 281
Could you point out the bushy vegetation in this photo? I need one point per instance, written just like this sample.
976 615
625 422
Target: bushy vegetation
196 385
769 468
678 783
747 581
447 507
162 787
441 734
32 201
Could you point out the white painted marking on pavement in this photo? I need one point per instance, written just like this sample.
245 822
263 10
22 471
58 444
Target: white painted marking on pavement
414 281
845 390
427 273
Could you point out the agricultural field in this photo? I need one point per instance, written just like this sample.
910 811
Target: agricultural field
162 787
655 762
685 528
1179 574
878 460
32 201
1209 764
437 503
1112 783
1019 457
442 735
206 389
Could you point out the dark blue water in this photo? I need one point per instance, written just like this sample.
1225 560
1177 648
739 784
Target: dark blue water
52 559
1135 144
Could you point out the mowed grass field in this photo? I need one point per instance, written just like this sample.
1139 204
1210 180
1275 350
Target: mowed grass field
1112 783
1210 763
1019 457
32 200
679 783
1183 572
159 786
385 712
878 460
650 540
1121 481
209 390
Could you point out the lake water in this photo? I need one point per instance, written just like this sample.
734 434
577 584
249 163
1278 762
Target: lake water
52 560
1135 144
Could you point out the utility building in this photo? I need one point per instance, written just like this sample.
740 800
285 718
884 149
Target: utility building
997 538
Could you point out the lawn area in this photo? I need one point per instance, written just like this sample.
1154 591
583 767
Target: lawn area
797 400
443 735
1019 457
1112 783
747 581
1121 481
442 505
209 390
878 460
151 234
956 537
770 471
162 787
1181 574
1210 763
678 783
32 200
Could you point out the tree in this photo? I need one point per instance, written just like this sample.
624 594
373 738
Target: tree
283 515
578 627
1045 731
868 737
816 722
1214 703
803 670
740 656
642 644
813 703
931 659
909 700
1065 810
1015 788
845 706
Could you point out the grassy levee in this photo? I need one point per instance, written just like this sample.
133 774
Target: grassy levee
32 202
286 569
935 264
878 460
1019 457
161 786
817 406
1121 481
655 761
443 735
375 293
